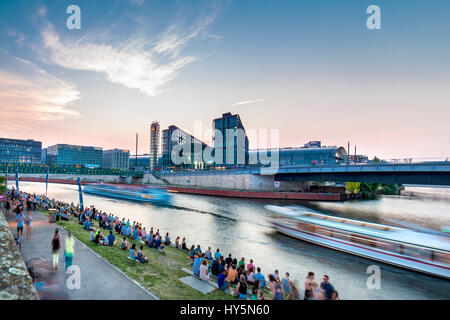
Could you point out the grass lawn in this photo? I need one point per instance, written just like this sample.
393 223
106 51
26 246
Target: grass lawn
160 276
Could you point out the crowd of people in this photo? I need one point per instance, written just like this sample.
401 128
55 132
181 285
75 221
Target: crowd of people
238 278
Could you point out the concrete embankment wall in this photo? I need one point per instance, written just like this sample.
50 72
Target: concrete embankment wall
15 281
240 181
71 178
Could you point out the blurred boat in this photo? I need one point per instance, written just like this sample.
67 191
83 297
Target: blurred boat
129 192
419 251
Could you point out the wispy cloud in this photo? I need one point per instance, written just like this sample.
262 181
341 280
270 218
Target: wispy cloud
138 63
245 102
29 95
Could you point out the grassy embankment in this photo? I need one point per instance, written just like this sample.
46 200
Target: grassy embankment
160 276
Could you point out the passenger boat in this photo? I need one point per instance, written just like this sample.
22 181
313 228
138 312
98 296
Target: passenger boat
135 193
419 251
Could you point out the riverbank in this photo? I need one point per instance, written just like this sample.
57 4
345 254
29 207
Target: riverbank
218 192
54 284
161 276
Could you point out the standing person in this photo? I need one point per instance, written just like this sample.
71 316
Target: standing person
69 250
293 291
309 286
8 206
259 276
19 219
275 288
285 283
255 291
28 219
56 245
328 288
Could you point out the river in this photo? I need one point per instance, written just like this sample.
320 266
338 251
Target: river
242 227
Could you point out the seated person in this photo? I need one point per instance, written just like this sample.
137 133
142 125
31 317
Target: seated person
221 266
196 265
133 253
136 234
140 256
124 244
99 238
128 232
232 277
111 239
117 228
149 240
158 243
87 224
208 254
222 284
167 240
92 235
215 267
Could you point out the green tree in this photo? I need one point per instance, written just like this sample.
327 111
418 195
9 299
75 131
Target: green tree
353 187
375 159
390 189
369 190
2 185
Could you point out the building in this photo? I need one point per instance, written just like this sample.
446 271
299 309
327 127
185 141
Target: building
71 155
174 137
20 151
231 139
44 156
116 159
313 144
154 144
303 156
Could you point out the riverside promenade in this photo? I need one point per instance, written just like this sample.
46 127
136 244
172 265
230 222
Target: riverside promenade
98 278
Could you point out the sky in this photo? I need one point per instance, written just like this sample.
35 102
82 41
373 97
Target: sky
310 69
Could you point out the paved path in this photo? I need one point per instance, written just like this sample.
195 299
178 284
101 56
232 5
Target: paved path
99 279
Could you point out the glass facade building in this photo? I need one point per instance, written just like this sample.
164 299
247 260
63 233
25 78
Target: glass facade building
235 147
116 159
71 155
20 151
306 156
173 137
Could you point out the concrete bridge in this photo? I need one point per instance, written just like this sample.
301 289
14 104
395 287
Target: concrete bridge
423 173
430 173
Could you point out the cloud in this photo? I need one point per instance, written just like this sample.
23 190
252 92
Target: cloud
136 62
29 94
245 102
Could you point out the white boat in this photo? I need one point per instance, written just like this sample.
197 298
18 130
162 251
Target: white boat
423 252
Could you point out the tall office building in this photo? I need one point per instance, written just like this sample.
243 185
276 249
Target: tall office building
116 159
154 144
20 151
235 146
72 155
174 136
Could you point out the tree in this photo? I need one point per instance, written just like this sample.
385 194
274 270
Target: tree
369 190
390 189
353 187
2 185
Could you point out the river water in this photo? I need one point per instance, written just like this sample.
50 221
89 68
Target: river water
242 227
